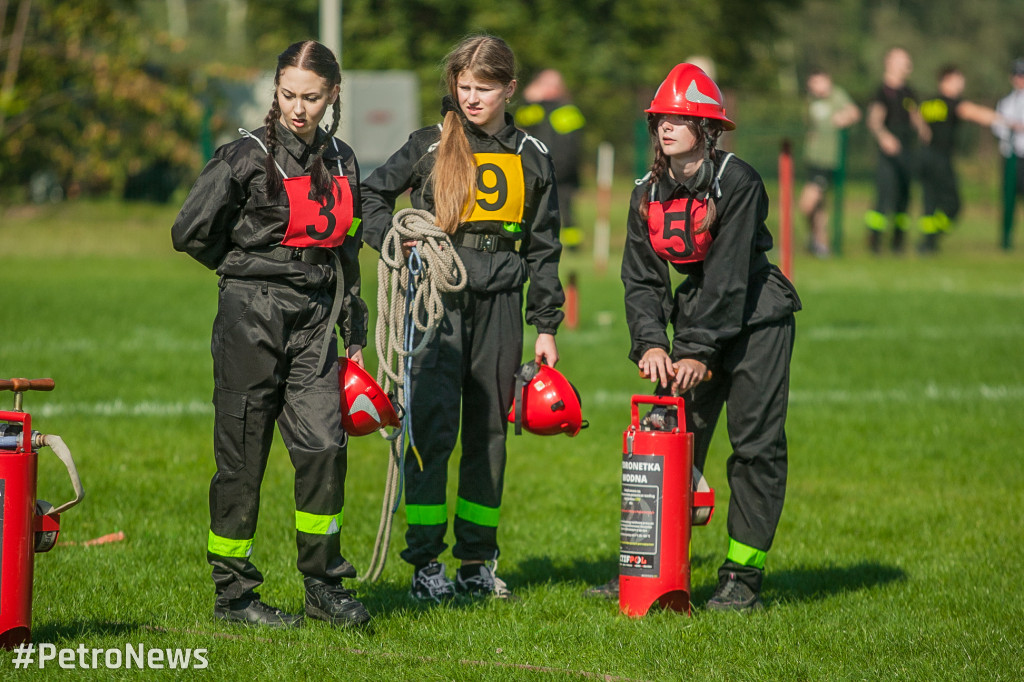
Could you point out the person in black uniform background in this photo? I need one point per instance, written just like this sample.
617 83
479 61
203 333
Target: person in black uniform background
895 122
276 214
702 211
942 114
548 115
492 187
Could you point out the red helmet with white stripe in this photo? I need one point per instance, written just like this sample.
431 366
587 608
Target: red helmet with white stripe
365 407
546 403
688 91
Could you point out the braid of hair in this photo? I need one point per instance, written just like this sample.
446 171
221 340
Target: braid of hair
274 183
320 178
710 134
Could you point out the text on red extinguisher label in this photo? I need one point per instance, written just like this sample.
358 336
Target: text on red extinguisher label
641 514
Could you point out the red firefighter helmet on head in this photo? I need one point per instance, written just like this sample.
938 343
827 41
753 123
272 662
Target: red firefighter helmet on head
688 91
546 403
365 407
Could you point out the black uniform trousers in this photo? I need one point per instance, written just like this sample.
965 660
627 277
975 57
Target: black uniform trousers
468 368
266 345
938 180
892 183
752 382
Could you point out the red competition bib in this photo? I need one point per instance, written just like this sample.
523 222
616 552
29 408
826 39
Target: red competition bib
313 224
673 230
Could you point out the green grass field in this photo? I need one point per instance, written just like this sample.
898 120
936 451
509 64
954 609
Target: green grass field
895 558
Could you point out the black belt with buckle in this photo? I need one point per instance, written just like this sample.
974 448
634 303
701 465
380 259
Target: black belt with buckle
312 256
484 242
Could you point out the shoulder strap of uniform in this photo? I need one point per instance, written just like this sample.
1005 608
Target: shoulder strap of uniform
440 128
246 133
718 175
526 136
334 140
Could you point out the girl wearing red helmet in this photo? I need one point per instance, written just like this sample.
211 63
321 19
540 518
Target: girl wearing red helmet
702 212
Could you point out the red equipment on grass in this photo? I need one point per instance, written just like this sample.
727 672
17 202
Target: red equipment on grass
365 407
27 525
660 503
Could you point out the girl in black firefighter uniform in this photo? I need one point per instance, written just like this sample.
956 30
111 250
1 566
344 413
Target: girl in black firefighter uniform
506 234
276 214
702 212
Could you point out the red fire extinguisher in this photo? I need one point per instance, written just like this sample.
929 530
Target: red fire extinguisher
27 525
662 497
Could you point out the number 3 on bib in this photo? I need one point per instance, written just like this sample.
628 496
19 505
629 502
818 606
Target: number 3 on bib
500 188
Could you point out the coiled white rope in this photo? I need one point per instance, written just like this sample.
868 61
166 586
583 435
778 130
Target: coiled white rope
408 290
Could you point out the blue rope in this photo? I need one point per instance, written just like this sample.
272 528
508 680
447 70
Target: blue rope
415 268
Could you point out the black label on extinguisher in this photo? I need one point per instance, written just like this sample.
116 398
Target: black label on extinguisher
640 522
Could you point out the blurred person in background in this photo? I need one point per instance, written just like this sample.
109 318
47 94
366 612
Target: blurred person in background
942 114
549 115
896 124
1010 131
829 111
276 214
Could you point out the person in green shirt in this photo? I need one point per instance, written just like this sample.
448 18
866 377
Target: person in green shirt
829 110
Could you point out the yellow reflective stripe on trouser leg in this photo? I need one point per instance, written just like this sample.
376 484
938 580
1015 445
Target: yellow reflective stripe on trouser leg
319 524
426 514
745 555
228 547
477 513
875 221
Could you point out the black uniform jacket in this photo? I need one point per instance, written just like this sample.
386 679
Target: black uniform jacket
228 218
733 288
539 250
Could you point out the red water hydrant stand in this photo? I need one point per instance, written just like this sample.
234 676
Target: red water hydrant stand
27 525
659 506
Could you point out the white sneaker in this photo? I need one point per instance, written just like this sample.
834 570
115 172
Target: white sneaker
429 583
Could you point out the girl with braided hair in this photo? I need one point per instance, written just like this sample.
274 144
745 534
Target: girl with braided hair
277 215
702 212
492 187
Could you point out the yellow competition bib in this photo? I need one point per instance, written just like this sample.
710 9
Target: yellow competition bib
500 189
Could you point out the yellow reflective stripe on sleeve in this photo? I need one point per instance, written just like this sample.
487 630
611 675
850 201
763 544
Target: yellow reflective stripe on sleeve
477 513
745 555
319 524
355 226
567 119
229 547
529 115
426 514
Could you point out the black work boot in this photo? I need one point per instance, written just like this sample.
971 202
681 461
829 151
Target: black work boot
252 611
732 594
898 241
334 604
875 241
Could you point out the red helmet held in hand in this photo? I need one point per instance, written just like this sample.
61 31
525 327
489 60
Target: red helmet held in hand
546 403
688 91
365 407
